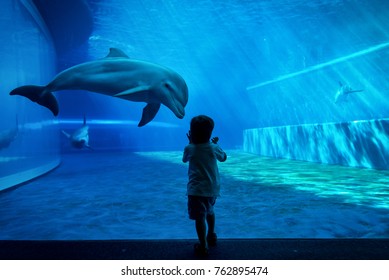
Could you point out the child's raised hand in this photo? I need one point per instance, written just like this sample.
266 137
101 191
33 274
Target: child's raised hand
215 140
189 135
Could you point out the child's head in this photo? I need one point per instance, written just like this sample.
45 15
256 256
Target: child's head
201 128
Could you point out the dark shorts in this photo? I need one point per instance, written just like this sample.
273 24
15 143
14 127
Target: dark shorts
199 206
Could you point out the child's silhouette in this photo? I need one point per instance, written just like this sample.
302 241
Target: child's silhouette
204 182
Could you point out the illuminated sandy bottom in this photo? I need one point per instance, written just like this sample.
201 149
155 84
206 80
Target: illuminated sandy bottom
142 196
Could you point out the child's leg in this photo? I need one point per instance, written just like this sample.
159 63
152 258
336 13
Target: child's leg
211 236
211 224
201 229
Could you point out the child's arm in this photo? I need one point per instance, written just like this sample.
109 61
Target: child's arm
185 157
189 135
220 154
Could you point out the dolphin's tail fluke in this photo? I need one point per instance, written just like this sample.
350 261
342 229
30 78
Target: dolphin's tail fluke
37 94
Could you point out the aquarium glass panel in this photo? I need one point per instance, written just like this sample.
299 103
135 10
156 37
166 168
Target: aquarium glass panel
29 138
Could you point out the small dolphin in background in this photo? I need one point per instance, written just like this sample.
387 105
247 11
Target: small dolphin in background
8 136
119 76
343 92
79 138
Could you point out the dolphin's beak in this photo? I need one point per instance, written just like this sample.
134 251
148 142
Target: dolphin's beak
176 98
178 109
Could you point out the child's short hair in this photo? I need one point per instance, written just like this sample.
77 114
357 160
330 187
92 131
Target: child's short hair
201 128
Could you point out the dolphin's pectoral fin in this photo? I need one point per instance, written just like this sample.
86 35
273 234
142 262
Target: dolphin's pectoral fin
114 52
37 94
149 113
133 90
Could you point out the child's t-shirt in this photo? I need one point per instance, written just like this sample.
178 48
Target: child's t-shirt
203 171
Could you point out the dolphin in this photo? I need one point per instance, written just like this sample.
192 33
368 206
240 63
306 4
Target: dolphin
8 136
79 138
119 76
343 92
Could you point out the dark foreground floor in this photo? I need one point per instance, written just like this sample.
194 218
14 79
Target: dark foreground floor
226 249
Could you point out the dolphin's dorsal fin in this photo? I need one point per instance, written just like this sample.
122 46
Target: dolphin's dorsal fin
114 52
133 90
149 113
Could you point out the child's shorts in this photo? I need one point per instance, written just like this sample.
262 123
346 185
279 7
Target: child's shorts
200 206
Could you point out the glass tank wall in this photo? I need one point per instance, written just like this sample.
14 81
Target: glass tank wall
268 63
29 139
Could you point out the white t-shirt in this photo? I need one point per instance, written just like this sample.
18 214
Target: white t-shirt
203 171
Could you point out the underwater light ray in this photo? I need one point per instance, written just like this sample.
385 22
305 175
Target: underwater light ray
321 65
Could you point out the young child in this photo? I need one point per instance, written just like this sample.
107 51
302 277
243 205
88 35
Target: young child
203 186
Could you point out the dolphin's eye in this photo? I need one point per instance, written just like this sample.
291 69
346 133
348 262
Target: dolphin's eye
168 86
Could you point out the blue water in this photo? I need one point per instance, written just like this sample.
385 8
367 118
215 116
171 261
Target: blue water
142 196
222 48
